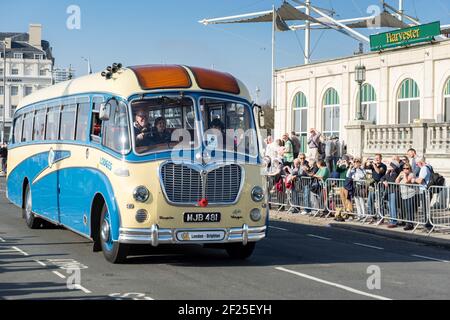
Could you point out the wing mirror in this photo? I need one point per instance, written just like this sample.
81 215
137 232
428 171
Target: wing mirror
105 109
260 113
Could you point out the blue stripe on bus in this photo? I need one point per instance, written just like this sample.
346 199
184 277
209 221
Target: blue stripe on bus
77 190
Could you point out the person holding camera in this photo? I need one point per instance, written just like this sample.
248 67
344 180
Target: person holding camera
378 170
357 176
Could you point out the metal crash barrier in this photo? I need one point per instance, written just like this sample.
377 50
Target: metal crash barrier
307 194
439 207
351 198
386 202
277 196
403 203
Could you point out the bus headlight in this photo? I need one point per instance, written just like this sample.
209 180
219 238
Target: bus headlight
258 194
255 215
141 194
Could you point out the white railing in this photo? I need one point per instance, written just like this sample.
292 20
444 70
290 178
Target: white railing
388 139
438 138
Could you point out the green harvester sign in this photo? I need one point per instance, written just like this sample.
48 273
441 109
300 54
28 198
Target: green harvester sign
405 37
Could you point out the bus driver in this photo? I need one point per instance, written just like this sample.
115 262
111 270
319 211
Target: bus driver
142 129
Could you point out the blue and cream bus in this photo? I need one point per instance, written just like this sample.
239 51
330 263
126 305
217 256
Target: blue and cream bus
134 156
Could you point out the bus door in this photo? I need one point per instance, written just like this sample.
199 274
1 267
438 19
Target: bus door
46 204
73 184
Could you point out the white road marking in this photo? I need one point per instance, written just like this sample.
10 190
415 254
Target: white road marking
318 237
21 251
8 250
59 274
2 240
336 285
368 246
278 228
40 262
130 296
429 258
80 287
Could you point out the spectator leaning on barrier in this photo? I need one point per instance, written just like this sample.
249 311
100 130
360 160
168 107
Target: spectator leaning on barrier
316 188
425 171
408 194
357 176
304 164
378 170
423 179
392 173
296 144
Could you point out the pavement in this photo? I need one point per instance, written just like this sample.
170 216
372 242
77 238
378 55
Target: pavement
439 238
296 262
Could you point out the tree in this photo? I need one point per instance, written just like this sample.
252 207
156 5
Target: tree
269 117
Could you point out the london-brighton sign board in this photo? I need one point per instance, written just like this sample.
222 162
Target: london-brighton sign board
404 37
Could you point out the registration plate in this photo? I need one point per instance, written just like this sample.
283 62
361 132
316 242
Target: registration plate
200 217
203 236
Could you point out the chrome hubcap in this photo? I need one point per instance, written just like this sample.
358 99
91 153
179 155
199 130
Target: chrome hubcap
105 231
28 206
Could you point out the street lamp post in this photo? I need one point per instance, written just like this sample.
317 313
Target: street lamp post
4 42
360 78
4 91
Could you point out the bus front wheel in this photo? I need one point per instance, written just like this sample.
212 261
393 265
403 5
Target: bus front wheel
27 213
239 251
113 251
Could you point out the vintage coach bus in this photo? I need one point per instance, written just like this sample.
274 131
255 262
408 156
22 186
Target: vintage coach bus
135 156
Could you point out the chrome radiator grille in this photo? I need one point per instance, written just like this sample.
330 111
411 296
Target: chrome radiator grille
183 184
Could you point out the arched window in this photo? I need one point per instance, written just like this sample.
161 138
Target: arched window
331 113
368 103
447 102
300 106
408 102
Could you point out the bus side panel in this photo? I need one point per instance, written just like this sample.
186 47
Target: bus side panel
45 201
78 187
27 169
45 187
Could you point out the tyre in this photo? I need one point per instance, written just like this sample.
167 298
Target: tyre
239 251
113 251
30 219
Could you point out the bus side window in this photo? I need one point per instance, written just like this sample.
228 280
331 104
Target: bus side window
96 127
116 134
18 129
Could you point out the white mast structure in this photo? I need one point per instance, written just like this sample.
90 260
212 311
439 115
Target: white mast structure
325 19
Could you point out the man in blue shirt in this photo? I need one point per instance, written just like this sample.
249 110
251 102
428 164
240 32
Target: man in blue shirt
423 179
412 154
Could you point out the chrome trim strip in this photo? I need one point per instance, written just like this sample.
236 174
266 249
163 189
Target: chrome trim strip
58 224
198 167
157 236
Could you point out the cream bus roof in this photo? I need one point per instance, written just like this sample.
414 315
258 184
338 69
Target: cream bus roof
133 80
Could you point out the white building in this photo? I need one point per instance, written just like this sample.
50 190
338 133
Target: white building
29 64
63 74
406 100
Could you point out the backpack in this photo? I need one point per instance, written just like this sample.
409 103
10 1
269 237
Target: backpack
436 179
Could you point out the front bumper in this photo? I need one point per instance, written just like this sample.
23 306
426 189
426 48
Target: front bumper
156 236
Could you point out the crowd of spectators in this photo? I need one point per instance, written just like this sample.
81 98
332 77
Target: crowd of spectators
327 158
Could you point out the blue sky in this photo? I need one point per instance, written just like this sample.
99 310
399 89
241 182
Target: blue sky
142 32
